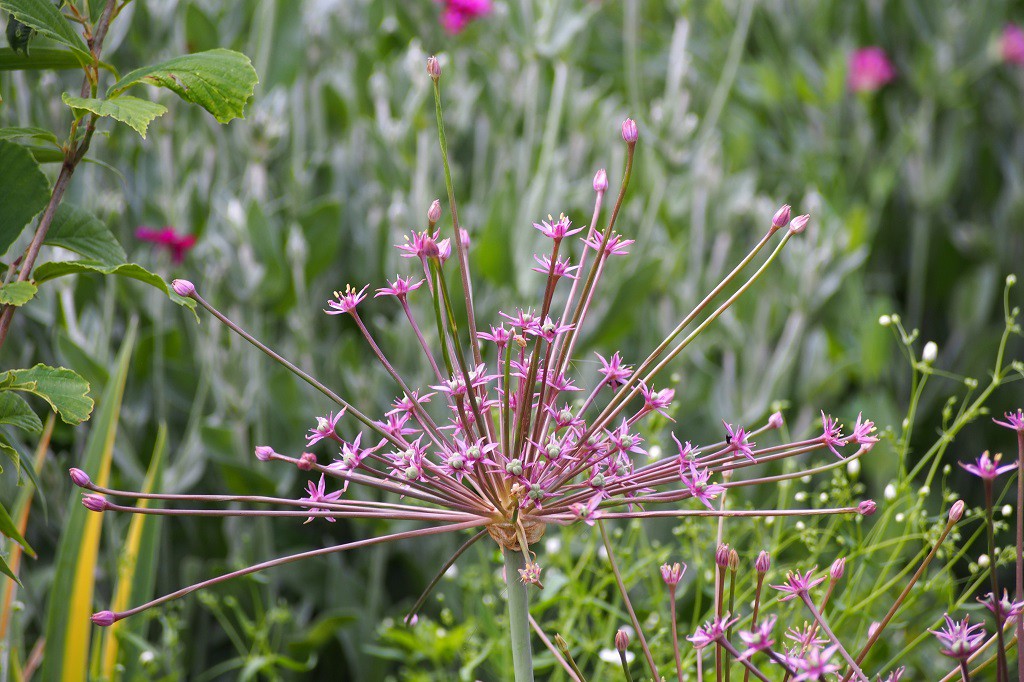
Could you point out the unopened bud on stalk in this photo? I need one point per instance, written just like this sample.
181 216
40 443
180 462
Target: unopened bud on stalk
673 573
763 562
562 645
429 248
799 223
306 461
96 503
183 287
775 421
264 452
838 569
956 512
781 217
930 352
629 131
434 212
722 556
601 181
433 68
734 560
867 508
621 641
103 618
79 477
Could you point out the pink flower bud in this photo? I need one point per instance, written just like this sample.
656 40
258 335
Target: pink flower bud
621 640
775 421
80 478
434 212
103 618
264 452
306 461
763 563
183 287
867 508
433 68
629 131
1011 45
96 503
838 569
722 556
956 512
601 181
781 217
799 223
464 233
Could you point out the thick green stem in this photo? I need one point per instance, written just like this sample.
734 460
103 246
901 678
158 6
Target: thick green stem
518 617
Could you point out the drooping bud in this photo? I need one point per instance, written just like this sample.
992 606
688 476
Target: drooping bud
799 223
734 560
96 503
956 512
722 556
433 68
781 217
629 131
838 569
601 181
621 640
763 562
264 453
867 508
434 212
80 478
306 461
103 618
183 287
775 421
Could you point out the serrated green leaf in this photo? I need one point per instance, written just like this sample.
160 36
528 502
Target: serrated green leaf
17 293
16 412
76 229
26 191
8 528
48 271
44 17
134 111
35 133
41 58
19 35
220 81
65 391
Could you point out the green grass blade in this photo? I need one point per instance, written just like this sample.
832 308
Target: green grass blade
68 630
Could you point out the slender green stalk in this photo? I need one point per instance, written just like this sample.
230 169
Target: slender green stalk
518 617
1002 674
625 599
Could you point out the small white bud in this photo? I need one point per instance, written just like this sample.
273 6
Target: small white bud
984 561
924 490
890 492
1007 510
1011 280
800 525
885 320
900 518
853 468
930 352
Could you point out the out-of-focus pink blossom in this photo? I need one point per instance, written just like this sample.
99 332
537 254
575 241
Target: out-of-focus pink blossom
870 69
177 244
1011 44
457 13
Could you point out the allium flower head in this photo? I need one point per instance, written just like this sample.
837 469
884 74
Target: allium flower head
1004 608
346 301
556 229
712 631
760 638
959 639
673 573
325 428
456 14
814 664
316 492
870 69
737 440
400 288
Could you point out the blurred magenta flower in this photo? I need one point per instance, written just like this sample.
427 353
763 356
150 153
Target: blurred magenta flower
1011 45
870 69
178 244
458 13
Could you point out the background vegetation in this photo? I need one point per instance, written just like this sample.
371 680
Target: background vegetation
917 197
